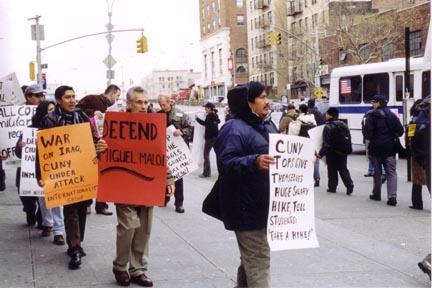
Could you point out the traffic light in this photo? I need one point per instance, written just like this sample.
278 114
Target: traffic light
142 45
320 61
278 38
32 74
271 38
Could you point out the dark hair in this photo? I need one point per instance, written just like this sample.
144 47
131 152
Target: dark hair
311 103
255 89
41 111
60 91
414 106
334 112
240 95
291 107
111 88
303 108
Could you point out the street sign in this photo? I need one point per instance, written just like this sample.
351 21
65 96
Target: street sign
319 92
109 61
44 66
110 74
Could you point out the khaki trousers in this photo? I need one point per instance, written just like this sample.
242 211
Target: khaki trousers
133 235
254 269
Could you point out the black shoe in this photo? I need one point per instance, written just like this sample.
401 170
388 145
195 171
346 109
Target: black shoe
368 175
31 219
75 261
331 191
392 201
316 184
383 179
375 197
204 176
180 209
416 207
350 190
2 185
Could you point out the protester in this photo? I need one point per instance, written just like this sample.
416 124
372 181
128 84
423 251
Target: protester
52 218
335 150
135 222
94 105
178 118
65 114
381 127
211 123
320 120
291 115
34 95
242 148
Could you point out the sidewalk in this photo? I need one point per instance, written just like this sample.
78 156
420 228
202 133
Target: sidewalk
363 243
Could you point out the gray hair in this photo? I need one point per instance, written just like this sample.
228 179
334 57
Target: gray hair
165 98
135 89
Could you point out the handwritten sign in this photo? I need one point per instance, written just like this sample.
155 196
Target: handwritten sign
180 161
10 90
12 121
66 159
316 135
133 168
291 221
28 181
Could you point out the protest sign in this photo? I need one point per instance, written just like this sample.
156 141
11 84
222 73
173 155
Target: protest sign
133 168
179 158
12 121
28 182
67 163
291 221
10 91
316 135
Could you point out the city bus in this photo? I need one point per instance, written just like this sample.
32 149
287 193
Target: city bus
352 87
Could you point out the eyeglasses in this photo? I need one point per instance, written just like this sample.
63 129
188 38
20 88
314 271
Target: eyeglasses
39 95
141 102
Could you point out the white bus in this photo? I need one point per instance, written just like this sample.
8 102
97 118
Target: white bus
352 87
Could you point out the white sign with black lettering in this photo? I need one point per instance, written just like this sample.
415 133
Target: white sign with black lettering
28 182
291 221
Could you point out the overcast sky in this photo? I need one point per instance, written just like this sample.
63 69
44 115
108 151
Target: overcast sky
169 25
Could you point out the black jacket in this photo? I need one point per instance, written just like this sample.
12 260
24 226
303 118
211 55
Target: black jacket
211 125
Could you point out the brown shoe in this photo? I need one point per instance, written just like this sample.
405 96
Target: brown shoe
105 212
59 240
142 280
122 277
46 231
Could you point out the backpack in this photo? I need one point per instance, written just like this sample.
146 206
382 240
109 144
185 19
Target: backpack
342 142
418 134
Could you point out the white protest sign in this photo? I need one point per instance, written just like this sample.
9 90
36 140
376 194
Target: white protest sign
28 181
12 121
10 90
179 158
316 135
291 221
99 123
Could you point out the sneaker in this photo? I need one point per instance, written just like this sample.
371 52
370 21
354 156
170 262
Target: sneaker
392 201
368 174
46 231
316 184
59 240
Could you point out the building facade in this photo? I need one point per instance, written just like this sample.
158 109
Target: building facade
224 45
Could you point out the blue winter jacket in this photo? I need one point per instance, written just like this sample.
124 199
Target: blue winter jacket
377 128
244 188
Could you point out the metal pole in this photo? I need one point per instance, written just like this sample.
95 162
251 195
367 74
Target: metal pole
317 77
109 28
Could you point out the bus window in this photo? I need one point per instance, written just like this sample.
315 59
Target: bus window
350 90
375 84
399 88
426 84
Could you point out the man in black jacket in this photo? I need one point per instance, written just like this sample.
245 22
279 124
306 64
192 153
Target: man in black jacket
381 127
336 159
211 130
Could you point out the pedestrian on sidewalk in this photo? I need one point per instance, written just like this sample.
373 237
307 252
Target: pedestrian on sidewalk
242 148
135 222
52 218
381 126
211 123
75 214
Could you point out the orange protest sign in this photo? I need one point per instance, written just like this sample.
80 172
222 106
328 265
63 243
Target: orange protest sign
66 158
133 168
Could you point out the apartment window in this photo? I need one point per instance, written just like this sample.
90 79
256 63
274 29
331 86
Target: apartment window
300 25
293 27
343 57
203 13
214 25
208 10
213 7
220 62
241 52
270 17
240 19
388 51
272 80
256 23
314 20
218 5
251 5
364 52
305 2
212 66
205 67
220 22
306 23
251 24
314 2
208 27
415 43
239 3
204 29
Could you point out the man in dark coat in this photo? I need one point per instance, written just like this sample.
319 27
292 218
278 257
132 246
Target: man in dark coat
381 127
243 161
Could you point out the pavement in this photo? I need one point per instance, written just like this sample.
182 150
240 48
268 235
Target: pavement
363 243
